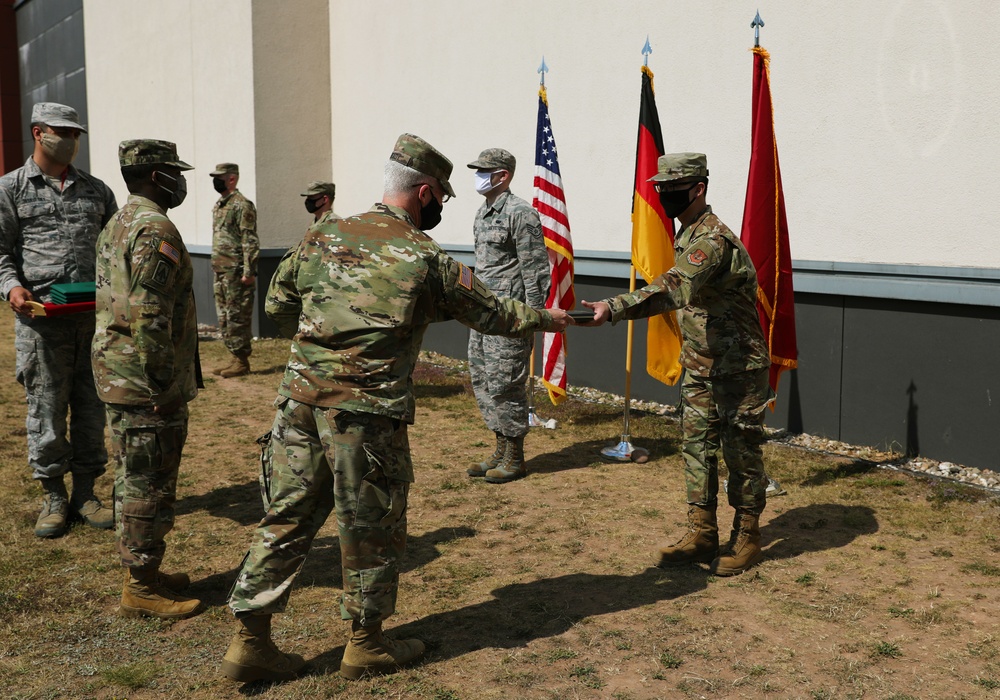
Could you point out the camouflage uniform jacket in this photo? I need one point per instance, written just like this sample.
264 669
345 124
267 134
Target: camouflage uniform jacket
511 258
356 296
47 237
147 331
235 245
714 285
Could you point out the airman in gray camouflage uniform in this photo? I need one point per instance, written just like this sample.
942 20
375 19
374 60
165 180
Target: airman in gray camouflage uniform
356 297
50 215
511 259
235 249
713 285
144 354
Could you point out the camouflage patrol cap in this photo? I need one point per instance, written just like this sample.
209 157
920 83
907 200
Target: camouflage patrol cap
680 166
149 152
225 169
316 187
493 158
57 115
413 152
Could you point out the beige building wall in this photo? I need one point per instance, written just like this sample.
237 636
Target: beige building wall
885 112
227 80
179 71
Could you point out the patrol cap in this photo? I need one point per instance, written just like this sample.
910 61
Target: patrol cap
493 158
55 114
150 152
317 187
413 152
679 166
225 169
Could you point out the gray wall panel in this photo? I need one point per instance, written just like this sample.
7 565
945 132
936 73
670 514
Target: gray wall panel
923 379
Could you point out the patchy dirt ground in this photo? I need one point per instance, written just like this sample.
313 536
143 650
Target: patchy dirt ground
876 584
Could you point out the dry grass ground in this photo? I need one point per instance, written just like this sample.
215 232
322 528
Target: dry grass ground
876 584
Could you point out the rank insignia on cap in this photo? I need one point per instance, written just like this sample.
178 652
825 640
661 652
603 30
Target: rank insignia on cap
169 251
697 257
465 277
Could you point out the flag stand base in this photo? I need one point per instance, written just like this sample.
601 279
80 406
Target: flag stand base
622 452
534 421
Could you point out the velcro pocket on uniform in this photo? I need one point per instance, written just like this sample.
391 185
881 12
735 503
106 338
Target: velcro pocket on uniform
27 210
138 522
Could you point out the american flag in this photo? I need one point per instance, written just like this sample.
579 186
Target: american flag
550 203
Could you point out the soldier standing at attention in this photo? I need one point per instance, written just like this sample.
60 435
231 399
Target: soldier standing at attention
50 215
144 365
725 389
235 248
356 297
319 200
511 259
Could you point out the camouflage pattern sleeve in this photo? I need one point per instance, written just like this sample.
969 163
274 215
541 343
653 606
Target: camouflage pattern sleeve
251 243
533 257
465 297
283 304
9 234
155 264
675 288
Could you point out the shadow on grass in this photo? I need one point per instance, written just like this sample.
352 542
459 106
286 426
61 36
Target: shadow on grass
322 567
840 471
523 612
815 528
239 502
437 391
585 454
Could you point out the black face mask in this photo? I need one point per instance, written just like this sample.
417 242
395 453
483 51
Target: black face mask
676 202
312 205
219 184
430 214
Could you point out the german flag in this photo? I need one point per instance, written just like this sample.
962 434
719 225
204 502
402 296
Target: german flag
653 238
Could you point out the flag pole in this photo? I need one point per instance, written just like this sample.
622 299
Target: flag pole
625 451
756 24
533 420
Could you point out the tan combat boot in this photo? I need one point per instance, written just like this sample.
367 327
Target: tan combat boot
252 656
492 462
512 465
55 509
88 507
239 367
145 594
699 544
743 550
371 652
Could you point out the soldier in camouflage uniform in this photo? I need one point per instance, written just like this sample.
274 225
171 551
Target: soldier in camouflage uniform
50 215
725 390
511 259
319 200
144 365
235 248
356 297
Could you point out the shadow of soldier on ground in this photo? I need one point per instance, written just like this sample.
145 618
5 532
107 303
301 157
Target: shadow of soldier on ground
839 471
581 455
322 567
239 502
522 612
815 528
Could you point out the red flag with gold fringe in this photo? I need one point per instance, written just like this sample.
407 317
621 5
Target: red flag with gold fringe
765 228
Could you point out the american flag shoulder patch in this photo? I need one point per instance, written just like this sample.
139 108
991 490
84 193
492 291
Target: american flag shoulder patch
170 252
465 277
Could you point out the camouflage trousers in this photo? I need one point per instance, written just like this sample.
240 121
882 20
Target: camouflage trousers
53 365
357 464
498 368
234 307
147 450
726 412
